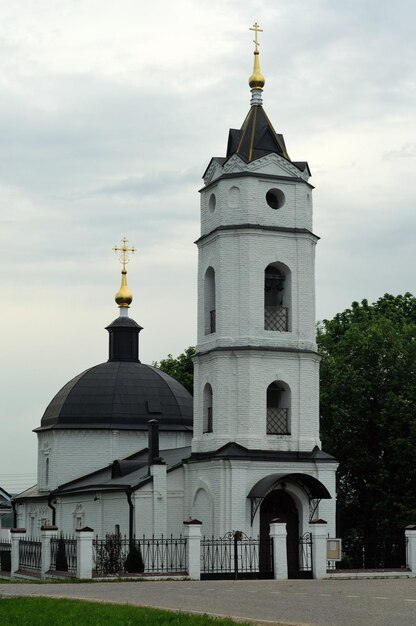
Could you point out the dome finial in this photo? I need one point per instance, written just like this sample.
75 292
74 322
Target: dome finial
124 296
256 80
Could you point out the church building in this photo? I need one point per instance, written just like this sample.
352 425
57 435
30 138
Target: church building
120 447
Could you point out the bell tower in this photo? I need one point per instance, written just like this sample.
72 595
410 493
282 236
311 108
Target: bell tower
256 367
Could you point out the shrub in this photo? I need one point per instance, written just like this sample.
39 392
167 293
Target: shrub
134 562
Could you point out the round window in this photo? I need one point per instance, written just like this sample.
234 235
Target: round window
275 198
212 202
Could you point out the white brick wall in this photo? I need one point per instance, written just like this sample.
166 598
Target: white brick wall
239 381
239 258
252 206
74 453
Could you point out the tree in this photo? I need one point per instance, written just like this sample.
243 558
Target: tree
180 368
368 412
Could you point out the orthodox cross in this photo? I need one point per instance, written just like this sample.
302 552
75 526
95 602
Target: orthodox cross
124 259
256 30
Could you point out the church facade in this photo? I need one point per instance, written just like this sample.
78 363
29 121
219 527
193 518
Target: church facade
119 450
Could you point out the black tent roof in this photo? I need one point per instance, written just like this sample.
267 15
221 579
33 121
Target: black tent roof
256 137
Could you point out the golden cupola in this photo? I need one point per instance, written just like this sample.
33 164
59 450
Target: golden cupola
124 296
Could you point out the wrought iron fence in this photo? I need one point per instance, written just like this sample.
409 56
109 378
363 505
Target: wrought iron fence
64 554
276 318
109 554
5 555
234 555
155 555
374 552
305 554
30 555
164 555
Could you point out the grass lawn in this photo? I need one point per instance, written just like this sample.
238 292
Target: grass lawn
60 612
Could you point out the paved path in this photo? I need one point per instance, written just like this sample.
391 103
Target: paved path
390 602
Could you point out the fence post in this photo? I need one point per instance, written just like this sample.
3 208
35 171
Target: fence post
410 534
84 552
47 533
16 534
192 532
319 557
278 534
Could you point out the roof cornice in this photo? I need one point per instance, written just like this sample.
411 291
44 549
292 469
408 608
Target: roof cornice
294 179
279 229
258 348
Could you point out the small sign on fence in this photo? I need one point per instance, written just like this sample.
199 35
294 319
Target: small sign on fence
333 549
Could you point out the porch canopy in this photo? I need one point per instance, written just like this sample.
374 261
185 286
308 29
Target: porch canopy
314 489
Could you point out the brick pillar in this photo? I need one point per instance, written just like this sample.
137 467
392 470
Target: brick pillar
160 517
84 552
278 533
47 533
410 534
16 534
192 532
319 536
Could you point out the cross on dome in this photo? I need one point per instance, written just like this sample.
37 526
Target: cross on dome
256 30
124 259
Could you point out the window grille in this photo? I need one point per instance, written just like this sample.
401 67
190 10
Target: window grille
277 421
276 318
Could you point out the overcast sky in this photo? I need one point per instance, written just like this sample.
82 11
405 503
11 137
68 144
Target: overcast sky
109 114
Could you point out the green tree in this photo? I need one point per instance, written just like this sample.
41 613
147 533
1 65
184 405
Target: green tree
181 368
368 412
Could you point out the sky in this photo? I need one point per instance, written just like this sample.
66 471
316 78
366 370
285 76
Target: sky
109 115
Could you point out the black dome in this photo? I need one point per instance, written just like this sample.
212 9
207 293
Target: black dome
120 395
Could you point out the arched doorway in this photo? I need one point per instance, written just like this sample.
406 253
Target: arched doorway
278 504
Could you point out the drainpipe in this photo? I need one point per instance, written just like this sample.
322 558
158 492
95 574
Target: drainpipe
131 517
50 505
14 514
153 443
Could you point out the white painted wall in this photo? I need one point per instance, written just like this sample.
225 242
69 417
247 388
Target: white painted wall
73 453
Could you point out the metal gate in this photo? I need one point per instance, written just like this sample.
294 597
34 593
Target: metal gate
305 556
235 555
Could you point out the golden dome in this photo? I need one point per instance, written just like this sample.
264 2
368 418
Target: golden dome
124 296
256 80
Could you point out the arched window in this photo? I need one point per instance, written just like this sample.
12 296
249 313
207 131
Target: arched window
207 409
209 301
278 409
276 298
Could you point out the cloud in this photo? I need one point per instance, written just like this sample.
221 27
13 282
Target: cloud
164 181
408 150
